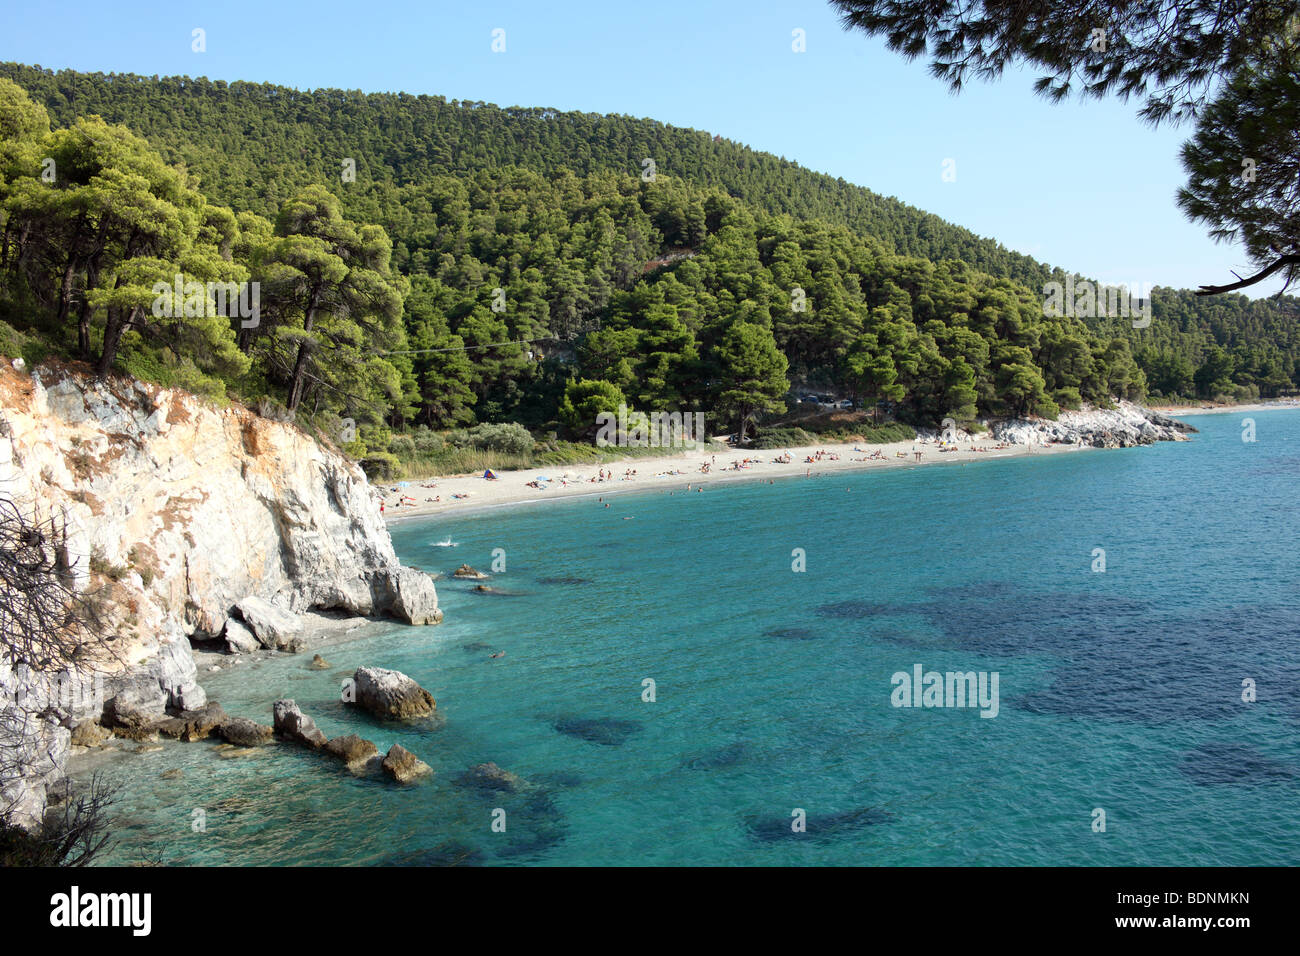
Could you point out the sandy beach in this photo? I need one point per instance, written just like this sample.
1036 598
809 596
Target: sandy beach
1178 411
681 472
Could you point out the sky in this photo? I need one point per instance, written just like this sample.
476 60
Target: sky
1083 185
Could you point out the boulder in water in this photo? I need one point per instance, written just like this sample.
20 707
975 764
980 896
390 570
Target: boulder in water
391 694
191 725
353 750
292 724
404 766
243 732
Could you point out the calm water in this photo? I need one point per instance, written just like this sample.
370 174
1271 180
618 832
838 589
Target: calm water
1119 690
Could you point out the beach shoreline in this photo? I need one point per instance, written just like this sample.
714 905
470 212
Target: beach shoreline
1178 411
512 488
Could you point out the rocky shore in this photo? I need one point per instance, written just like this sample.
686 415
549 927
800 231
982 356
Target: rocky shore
1123 426
193 523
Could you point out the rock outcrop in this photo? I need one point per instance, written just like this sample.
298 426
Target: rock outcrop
243 732
239 639
391 695
191 725
273 627
404 766
194 522
1123 426
355 751
292 724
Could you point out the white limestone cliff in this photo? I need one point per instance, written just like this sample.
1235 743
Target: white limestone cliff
179 511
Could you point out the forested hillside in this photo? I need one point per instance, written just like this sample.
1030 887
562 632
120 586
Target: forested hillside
492 266
253 144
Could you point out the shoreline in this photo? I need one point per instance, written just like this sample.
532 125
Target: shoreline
1178 411
511 487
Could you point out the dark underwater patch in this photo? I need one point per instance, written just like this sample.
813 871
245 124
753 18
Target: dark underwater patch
607 731
792 633
720 757
820 827
534 824
1227 763
445 854
856 610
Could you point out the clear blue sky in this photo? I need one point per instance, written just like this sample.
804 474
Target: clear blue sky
1081 185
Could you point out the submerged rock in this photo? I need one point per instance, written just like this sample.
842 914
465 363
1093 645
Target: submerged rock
792 633
1228 763
607 731
465 572
353 750
244 732
192 725
718 758
391 694
490 777
404 766
819 827
292 724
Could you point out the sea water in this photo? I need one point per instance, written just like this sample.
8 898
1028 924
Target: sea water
674 691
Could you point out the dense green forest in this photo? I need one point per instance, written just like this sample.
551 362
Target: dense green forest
432 265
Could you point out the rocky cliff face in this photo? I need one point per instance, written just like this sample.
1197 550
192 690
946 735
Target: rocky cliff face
179 513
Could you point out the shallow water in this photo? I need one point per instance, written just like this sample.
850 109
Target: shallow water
1118 690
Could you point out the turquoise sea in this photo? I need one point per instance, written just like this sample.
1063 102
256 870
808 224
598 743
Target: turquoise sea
1119 690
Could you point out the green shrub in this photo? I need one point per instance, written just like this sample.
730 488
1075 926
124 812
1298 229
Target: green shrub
427 442
782 438
1046 408
403 446
12 341
380 466
508 438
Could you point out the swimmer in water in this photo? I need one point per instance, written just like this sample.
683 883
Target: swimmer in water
498 654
